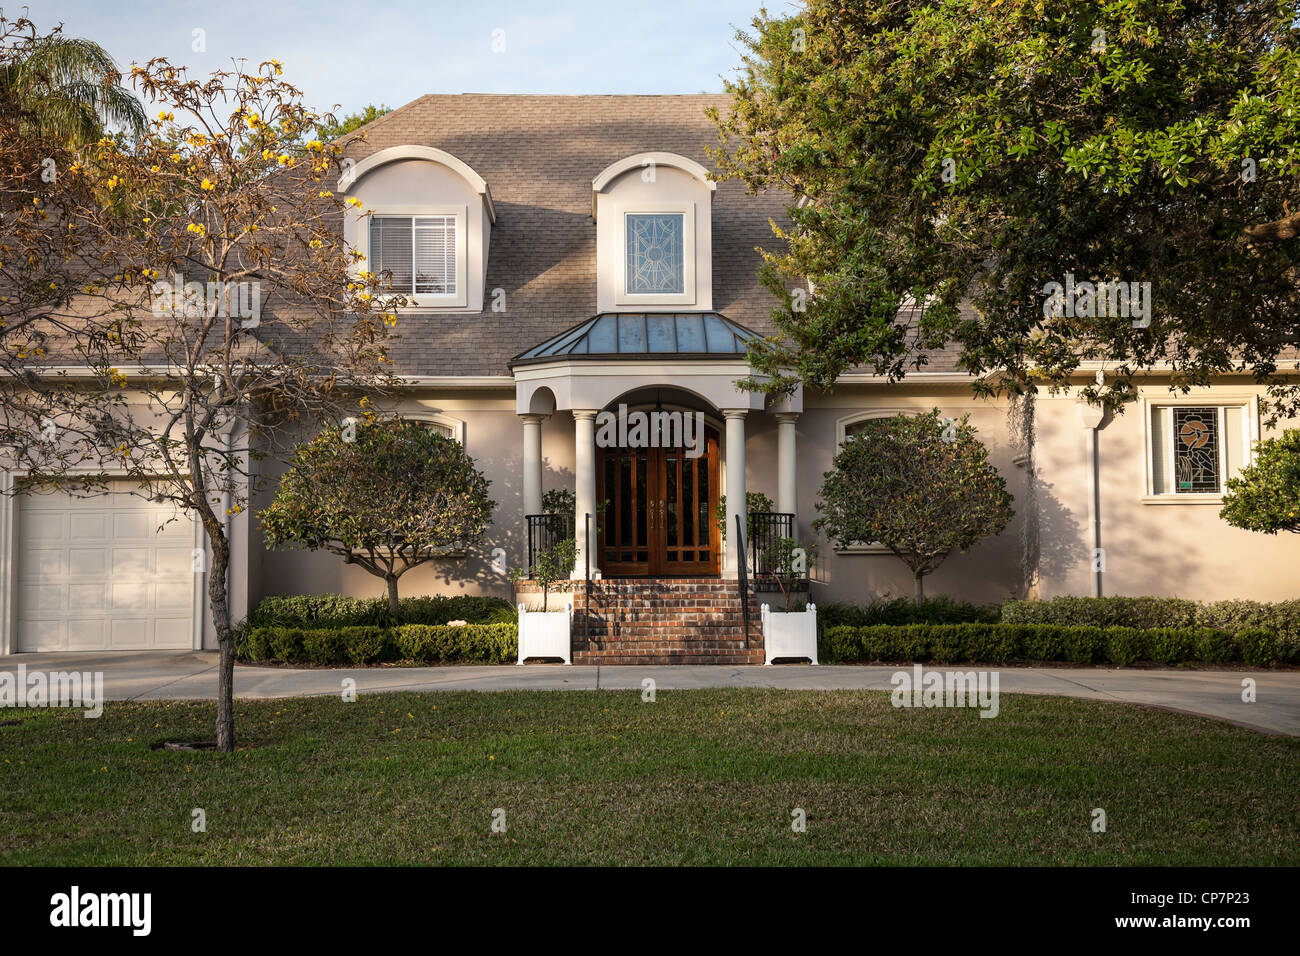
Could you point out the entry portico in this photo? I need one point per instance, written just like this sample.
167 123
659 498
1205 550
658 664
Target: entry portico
695 359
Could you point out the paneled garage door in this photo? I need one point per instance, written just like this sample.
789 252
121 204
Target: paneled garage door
107 572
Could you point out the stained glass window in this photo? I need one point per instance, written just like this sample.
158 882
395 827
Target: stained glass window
1196 450
655 257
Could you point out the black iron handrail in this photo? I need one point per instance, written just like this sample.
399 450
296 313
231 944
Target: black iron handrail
771 534
545 531
586 580
743 583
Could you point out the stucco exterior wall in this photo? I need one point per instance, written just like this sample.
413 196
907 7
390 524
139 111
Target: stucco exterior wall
1181 549
1173 547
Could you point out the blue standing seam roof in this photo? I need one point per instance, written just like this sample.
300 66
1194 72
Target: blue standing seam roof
646 334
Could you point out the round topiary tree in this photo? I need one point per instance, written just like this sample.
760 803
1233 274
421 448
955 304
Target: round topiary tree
921 486
388 495
1265 496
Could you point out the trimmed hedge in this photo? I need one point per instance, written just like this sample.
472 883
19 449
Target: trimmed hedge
421 643
334 611
936 610
1281 620
998 643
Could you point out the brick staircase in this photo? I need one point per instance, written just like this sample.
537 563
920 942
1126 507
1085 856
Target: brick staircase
664 621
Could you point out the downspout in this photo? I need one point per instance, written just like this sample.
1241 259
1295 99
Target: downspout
1091 416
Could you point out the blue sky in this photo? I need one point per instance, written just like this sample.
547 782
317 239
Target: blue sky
360 52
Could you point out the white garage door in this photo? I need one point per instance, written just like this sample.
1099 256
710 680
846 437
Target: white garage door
107 572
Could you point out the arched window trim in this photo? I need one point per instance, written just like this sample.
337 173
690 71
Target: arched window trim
456 425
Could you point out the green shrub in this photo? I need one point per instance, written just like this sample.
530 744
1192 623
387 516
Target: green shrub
335 611
900 611
1125 645
422 643
1215 647
1170 645
479 643
1258 647
998 643
1140 612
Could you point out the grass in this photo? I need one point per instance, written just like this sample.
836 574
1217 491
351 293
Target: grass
696 777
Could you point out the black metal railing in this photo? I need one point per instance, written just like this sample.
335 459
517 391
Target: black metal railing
544 533
744 578
775 559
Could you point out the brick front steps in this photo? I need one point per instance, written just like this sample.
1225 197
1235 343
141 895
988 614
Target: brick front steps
664 621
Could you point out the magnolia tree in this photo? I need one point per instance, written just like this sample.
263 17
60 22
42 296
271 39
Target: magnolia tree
1265 496
920 485
386 495
966 174
211 305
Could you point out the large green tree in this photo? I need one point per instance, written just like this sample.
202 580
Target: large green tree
386 495
948 159
918 484
337 129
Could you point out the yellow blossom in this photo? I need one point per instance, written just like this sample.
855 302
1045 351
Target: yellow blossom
207 185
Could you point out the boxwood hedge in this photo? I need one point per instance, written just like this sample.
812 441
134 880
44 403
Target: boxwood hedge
1281 619
1081 644
335 611
419 643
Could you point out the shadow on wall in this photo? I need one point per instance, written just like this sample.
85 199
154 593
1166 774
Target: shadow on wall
1064 556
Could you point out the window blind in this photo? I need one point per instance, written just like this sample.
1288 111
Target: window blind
419 252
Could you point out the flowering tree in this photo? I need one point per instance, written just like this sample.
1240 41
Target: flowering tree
211 305
385 495
920 486
1265 496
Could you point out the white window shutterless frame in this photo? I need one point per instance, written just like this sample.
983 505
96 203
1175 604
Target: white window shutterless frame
1229 428
425 249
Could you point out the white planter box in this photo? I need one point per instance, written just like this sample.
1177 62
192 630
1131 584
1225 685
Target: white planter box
790 634
545 634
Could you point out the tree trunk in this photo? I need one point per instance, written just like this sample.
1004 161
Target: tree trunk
393 604
218 600
918 594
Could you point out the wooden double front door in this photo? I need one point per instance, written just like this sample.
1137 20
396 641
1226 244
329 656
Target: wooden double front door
658 511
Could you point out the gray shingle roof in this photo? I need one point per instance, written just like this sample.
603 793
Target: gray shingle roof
539 155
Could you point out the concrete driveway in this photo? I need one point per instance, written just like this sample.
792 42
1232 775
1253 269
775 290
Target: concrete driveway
190 675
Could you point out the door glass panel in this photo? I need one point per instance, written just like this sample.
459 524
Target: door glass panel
703 506
642 501
688 500
670 501
626 505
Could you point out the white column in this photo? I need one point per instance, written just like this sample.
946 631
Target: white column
735 489
787 468
533 463
584 461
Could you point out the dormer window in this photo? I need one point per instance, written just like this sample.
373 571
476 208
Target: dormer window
654 235
419 251
425 218
655 253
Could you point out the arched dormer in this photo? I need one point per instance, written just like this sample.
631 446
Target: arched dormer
654 234
427 217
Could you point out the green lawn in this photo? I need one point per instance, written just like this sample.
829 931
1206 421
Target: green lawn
697 777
